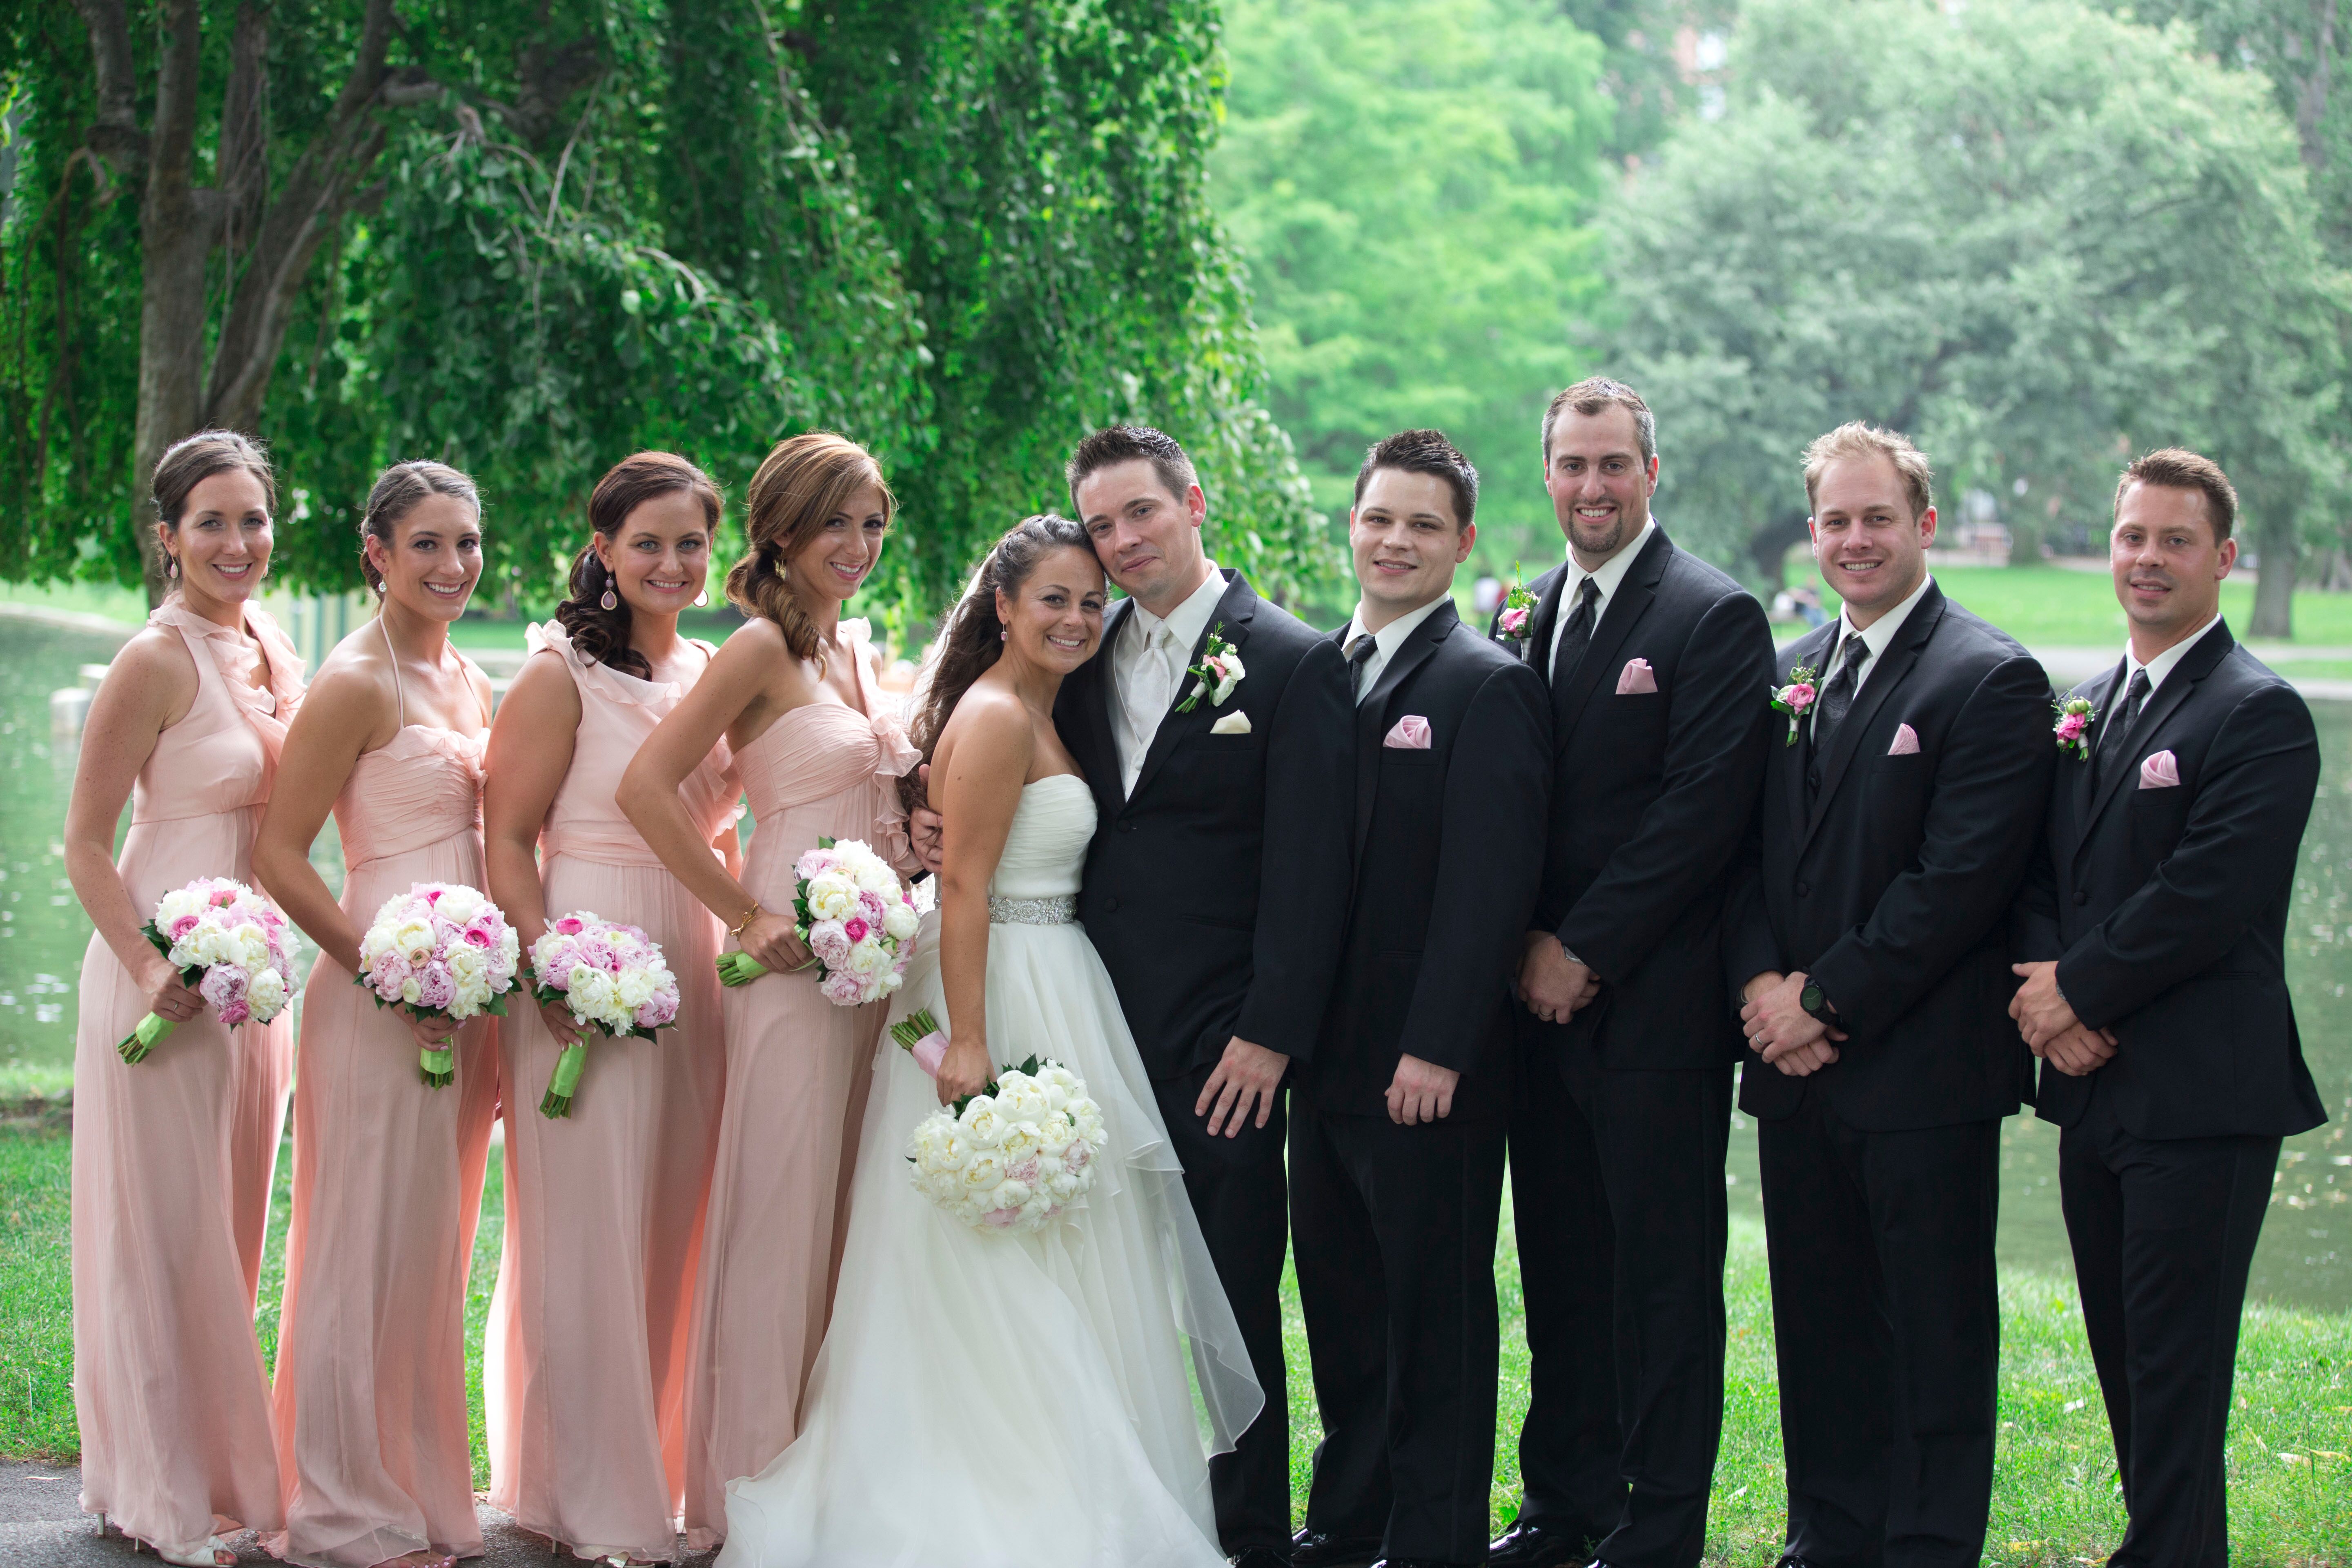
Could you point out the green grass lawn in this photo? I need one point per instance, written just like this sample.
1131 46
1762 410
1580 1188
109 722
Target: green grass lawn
2055 1502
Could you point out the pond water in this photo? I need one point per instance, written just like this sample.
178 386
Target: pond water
2306 1254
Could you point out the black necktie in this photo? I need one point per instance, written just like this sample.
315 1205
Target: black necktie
1359 654
2117 724
1835 698
1575 633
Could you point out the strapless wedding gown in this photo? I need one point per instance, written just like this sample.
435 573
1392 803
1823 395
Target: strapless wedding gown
1014 1401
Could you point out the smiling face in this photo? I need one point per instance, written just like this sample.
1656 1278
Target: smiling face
1600 483
2167 565
435 557
1054 621
1406 541
1147 537
222 541
842 552
660 556
1871 551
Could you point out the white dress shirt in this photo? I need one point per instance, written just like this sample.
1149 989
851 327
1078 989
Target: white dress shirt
1875 638
1385 642
1147 666
1606 578
2161 665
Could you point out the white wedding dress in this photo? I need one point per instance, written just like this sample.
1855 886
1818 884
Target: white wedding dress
1013 1401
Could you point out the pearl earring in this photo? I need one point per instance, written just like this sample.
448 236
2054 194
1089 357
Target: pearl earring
702 598
172 567
1001 633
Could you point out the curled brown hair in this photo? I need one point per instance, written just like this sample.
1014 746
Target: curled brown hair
599 634
397 492
973 639
804 480
192 461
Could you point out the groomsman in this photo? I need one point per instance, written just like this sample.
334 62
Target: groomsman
1869 939
1396 1134
1654 661
2158 1000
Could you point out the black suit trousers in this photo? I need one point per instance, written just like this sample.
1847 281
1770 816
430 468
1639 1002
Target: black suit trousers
2163 1232
1625 1346
1239 1194
1393 1235
1888 1334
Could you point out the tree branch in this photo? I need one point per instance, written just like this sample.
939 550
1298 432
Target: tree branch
114 135
244 169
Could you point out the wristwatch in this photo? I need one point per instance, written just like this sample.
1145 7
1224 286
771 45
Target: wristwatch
1816 1002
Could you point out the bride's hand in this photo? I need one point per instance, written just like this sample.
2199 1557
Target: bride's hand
770 940
963 1070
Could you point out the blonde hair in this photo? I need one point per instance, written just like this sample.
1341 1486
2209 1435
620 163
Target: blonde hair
1855 439
804 481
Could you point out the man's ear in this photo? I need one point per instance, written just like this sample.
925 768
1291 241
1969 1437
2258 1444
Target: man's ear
1461 547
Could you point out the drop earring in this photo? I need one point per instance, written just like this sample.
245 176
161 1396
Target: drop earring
702 598
172 567
610 601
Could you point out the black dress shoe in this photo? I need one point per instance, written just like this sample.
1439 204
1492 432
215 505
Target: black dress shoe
1528 1544
1259 1557
1313 1548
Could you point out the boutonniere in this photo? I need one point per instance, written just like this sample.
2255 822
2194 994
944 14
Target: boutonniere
1518 616
1219 671
2074 716
1796 697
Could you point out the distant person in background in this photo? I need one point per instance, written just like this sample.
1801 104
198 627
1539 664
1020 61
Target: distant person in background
2155 997
1869 939
1654 664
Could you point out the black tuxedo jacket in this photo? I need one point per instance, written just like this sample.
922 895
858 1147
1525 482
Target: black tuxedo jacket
1446 871
2166 906
1894 888
1651 796
1212 891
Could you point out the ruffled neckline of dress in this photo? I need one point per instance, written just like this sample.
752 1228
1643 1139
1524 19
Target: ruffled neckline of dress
270 710
618 685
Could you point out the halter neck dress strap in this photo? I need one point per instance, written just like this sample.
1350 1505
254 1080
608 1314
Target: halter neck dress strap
392 653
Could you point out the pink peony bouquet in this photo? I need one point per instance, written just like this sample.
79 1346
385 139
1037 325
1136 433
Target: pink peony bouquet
443 950
613 977
228 941
857 921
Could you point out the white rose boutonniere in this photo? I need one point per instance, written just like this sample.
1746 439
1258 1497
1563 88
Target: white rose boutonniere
1219 671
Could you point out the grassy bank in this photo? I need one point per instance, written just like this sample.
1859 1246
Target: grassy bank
2291 1479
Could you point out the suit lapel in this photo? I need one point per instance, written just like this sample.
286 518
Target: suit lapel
2194 667
1371 713
1877 686
1805 652
1635 592
2098 691
1538 648
1098 717
1231 621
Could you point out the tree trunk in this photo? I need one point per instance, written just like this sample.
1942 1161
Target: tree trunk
2275 537
1767 548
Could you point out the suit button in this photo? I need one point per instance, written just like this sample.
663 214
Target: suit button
1111 905
1804 890
1127 827
2082 897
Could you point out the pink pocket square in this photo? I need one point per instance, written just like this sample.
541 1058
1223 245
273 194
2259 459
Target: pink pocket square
2159 769
1907 742
1411 734
1637 676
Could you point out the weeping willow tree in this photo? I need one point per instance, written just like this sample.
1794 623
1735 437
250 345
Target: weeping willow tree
527 236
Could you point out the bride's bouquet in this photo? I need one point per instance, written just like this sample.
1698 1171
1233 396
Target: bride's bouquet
857 921
1010 1158
442 950
228 942
612 977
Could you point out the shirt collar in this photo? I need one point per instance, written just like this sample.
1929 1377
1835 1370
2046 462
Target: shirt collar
1881 632
1608 574
1186 622
2161 665
1390 637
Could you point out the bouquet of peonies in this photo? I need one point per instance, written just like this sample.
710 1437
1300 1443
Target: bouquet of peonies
1010 1158
858 923
228 941
612 976
440 949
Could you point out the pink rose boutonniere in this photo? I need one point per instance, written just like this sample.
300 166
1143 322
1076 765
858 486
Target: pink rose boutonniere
1796 697
2073 728
1219 671
1517 618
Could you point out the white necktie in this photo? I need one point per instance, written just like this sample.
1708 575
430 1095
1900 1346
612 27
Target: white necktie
1147 702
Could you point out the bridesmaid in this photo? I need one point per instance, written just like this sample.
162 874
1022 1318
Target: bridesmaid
172 1158
792 694
586 1355
370 1389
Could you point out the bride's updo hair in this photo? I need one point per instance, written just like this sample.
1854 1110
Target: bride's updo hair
804 480
974 638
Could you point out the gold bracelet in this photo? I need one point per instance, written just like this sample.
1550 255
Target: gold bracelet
755 912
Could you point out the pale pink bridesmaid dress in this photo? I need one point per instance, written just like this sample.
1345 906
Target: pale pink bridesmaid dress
797 1068
371 1386
172 1158
585 1359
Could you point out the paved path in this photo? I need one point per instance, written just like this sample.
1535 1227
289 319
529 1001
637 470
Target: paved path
41 1522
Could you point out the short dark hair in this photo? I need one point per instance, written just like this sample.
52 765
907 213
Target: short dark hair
1122 443
1425 452
1592 394
2176 468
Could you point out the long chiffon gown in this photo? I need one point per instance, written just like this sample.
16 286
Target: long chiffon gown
585 1357
371 1388
173 1157
796 1073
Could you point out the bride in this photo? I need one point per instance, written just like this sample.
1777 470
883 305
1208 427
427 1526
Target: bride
1010 1400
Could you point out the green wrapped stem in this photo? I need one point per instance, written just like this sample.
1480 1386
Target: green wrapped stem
144 1038
557 1101
910 1032
439 1067
740 969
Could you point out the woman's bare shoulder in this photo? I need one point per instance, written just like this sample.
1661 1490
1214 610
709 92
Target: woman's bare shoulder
989 728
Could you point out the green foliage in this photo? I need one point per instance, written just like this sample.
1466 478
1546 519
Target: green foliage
2031 234
1409 180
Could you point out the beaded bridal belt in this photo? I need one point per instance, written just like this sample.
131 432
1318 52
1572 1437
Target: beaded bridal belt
1059 910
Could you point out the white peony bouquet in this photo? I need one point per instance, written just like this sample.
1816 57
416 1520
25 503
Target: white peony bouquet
444 950
228 941
612 976
857 921
1010 1158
